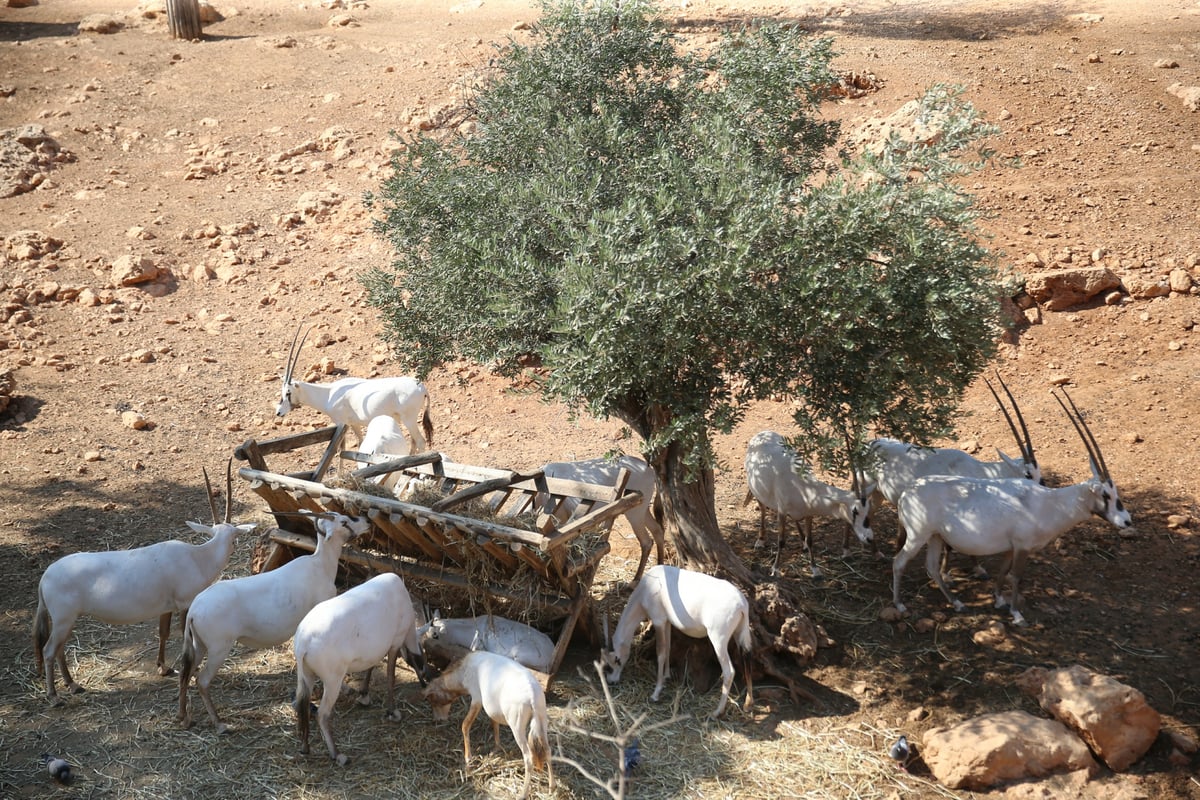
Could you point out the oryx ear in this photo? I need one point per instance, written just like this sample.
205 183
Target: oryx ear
199 527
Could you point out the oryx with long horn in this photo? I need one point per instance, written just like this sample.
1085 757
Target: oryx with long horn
354 402
1010 517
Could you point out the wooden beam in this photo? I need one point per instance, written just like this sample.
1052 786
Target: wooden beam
284 444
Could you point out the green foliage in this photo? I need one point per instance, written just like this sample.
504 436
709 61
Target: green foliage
672 234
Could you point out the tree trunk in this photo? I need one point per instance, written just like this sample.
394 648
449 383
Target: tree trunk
183 19
691 505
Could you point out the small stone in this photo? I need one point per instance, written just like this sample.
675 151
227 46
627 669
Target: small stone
1175 521
134 420
92 455
1166 63
1093 58
890 614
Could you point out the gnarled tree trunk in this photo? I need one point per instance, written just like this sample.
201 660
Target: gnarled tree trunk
183 19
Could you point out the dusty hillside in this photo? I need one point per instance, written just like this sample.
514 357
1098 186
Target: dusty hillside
235 167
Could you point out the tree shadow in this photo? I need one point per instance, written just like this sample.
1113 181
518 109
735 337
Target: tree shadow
24 31
924 22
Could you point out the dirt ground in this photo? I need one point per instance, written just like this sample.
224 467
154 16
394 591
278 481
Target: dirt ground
239 163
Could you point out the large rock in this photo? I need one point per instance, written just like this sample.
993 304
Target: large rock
1062 288
995 748
129 270
1114 719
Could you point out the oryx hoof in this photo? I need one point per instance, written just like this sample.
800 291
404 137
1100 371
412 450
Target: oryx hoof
166 672
959 605
393 715
364 700
342 759
75 688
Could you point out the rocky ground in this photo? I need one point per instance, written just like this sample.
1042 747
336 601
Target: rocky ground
171 211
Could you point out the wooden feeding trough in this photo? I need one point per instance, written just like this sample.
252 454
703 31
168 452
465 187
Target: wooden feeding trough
467 552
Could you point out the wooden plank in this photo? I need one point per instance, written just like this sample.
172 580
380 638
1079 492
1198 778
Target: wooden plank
331 451
478 490
404 569
405 534
285 444
358 499
384 464
605 513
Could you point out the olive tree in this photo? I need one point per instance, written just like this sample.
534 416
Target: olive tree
672 233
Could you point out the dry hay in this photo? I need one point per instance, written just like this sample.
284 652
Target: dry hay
123 736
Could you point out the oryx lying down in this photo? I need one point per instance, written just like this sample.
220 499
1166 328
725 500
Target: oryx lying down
1010 517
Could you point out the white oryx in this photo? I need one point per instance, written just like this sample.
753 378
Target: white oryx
698 605
894 466
524 644
121 587
781 481
508 693
260 610
351 633
1012 517
355 401
647 526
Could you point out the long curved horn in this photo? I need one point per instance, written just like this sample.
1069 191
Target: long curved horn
228 491
1085 433
294 352
1023 441
212 507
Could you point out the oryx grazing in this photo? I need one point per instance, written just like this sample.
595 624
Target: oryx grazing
1010 517
779 479
355 401
699 605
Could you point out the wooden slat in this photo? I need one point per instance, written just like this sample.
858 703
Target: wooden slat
405 568
606 513
285 444
331 451
478 490
384 464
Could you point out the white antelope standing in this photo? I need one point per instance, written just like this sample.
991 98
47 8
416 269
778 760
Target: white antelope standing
509 693
260 610
1013 517
351 633
894 466
122 587
355 401
781 481
516 640
647 527
699 605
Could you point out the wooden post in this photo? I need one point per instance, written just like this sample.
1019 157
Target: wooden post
183 19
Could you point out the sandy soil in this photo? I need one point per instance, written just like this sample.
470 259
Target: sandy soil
238 164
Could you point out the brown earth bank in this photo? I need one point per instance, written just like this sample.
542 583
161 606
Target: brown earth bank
236 168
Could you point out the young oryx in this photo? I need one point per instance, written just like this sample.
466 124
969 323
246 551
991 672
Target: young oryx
260 610
695 603
385 437
354 401
523 644
781 481
126 586
509 693
1013 517
351 633
646 527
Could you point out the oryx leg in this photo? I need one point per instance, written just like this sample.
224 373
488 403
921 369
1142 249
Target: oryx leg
468 721
1013 566
808 545
722 648
903 556
325 721
780 541
364 697
933 566
164 630
662 636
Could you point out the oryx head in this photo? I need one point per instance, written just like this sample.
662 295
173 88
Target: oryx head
1108 502
1027 464
858 514
611 661
212 507
285 403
